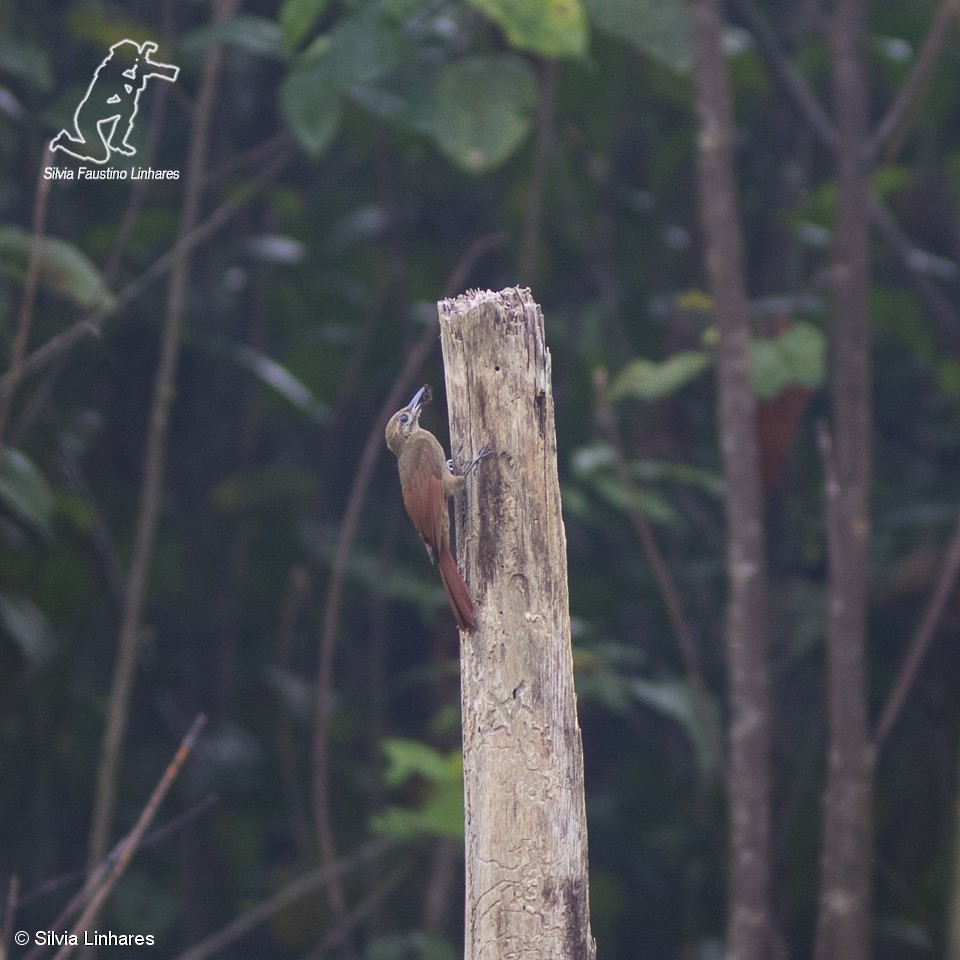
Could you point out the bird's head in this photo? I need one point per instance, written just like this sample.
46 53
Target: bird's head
407 419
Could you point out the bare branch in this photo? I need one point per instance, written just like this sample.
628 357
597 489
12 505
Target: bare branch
187 242
292 892
29 291
920 642
940 307
104 878
891 131
128 642
790 77
10 911
661 573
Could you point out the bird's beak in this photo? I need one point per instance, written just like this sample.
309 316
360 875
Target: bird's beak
421 397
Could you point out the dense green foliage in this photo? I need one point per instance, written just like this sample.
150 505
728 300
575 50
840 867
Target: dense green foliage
404 132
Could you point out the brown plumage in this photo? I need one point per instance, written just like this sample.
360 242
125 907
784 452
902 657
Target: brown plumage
427 482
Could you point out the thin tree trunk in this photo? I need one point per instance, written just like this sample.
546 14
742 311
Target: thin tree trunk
526 833
846 861
953 908
748 773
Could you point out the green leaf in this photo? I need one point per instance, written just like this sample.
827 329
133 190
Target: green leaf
361 48
297 17
274 487
258 36
64 270
311 107
413 758
24 490
105 28
424 946
550 28
660 471
675 699
633 498
28 627
441 813
796 356
26 63
277 377
357 51
483 110
649 380
658 28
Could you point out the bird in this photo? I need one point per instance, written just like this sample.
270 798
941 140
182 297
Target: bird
427 481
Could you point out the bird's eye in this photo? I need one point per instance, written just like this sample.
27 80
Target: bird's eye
405 418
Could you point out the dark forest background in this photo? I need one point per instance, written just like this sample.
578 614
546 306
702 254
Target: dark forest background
189 524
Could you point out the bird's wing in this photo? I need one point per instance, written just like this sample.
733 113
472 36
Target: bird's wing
423 497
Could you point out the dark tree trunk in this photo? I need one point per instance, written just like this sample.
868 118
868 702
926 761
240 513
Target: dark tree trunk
846 866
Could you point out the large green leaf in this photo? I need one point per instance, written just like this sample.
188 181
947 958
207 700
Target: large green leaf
441 812
655 27
413 758
359 50
64 270
796 356
551 28
483 109
24 491
649 380
297 17
27 626
311 106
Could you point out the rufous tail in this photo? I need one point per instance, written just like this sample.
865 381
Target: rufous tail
457 593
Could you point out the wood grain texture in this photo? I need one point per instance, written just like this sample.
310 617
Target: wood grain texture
526 835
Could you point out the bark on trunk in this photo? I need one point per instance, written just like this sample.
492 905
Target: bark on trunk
526 835
748 768
843 931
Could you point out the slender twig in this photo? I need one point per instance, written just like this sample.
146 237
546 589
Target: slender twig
914 87
920 642
348 531
103 881
29 291
187 242
292 892
9 912
257 157
941 309
530 247
289 741
881 219
363 910
661 572
789 75
151 839
128 644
